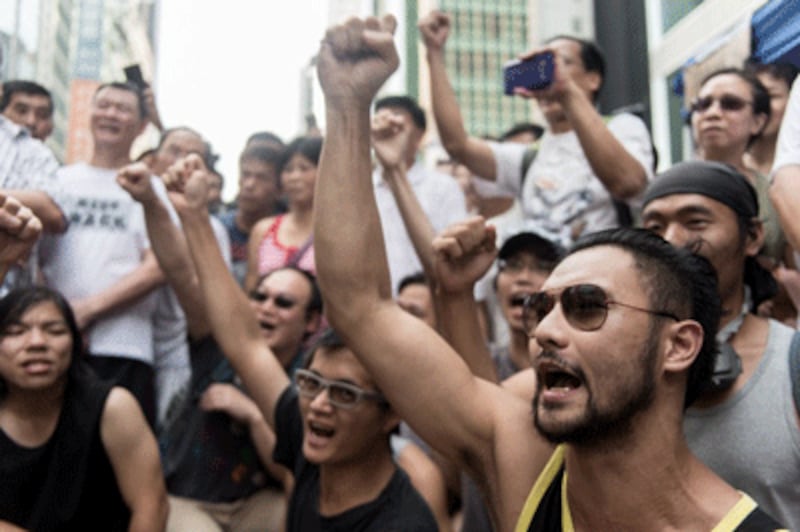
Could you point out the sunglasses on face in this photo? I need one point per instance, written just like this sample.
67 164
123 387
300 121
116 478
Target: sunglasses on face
340 394
585 306
280 301
726 103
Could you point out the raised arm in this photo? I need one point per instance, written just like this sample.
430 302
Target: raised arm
19 230
233 322
464 252
390 139
423 378
43 207
471 151
169 247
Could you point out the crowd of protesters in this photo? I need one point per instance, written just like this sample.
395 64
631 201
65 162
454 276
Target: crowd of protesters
543 332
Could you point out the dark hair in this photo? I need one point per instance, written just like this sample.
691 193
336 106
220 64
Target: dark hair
523 127
265 137
591 57
23 86
761 99
315 300
208 158
414 278
406 103
18 301
676 281
130 87
262 154
308 147
785 72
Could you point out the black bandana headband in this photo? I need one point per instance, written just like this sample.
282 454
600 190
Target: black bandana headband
720 182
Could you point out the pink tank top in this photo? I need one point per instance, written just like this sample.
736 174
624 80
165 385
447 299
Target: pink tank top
272 254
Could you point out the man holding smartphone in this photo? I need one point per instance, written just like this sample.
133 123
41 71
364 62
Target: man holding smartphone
587 172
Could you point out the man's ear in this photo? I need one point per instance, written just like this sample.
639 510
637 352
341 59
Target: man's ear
754 238
313 322
390 420
684 341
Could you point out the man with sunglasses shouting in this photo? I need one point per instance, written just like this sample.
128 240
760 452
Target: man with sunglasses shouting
621 332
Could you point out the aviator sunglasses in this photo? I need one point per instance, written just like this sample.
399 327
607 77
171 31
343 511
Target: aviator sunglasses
340 394
585 306
726 103
280 300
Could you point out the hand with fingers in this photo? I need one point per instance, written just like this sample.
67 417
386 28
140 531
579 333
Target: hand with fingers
135 179
391 136
356 58
434 29
187 183
152 108
19 230
463 252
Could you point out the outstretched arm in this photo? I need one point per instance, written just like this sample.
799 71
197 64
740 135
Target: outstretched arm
471 151
233 322
169 247
464 252
423 378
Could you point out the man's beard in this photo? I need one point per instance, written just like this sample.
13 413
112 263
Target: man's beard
596 427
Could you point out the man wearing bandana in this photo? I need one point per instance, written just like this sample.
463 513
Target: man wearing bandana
746 425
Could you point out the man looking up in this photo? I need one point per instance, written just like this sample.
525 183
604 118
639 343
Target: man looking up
30 105
622 324
583 164
712 209
103 263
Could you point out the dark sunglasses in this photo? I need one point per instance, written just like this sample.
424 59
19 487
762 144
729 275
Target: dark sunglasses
585 307
340 394
281 301
726 103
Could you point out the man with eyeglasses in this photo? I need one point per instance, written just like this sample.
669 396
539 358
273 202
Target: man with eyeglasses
615 368
333 426
745 425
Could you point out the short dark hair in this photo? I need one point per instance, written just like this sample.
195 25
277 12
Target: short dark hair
14 305
785 72
414 278
308 147
130 87
523 127
23 86
591 57
676 281
262 154
314 301
406 103
761 99
265 136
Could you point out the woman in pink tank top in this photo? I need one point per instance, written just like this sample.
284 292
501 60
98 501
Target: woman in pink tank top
286 239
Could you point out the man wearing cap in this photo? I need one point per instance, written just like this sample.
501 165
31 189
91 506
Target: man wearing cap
745 425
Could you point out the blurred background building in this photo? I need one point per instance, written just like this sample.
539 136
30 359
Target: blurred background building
656 51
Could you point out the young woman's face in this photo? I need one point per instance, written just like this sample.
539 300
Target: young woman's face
36 351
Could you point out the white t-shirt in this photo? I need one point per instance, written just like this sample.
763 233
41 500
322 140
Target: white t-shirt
442 201
105 241
560 192
788 149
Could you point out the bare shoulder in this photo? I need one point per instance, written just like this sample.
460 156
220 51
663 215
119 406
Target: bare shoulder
121 414
263 225
522 384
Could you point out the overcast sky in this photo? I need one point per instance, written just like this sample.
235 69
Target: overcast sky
231 68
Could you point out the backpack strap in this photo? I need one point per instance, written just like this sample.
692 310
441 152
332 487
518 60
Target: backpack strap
794 368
